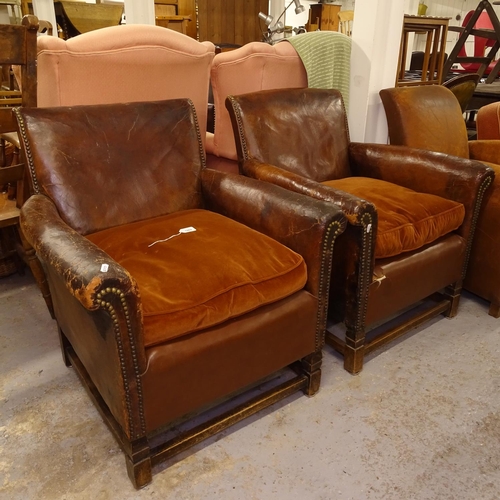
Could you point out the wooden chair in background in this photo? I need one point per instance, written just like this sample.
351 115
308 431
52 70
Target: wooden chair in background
167 16
346 18
18 47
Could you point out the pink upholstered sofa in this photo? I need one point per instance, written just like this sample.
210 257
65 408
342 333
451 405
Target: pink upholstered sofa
253 67
124 64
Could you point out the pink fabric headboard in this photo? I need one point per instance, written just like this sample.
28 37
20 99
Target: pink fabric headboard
124 64
253 67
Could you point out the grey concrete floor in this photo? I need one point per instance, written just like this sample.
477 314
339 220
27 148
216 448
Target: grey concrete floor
421 421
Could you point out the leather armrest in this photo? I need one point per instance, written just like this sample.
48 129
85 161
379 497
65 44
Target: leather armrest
72 256
307 226
352 206
424 171
458 179
485 150
73 263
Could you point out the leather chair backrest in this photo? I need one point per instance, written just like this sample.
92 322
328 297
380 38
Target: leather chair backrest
255 66
317 148
66 146
124 64
426 117
463 87
488 122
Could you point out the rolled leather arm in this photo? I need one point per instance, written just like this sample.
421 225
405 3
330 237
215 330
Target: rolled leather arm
443 175
485 150
307 226
458 179
352 206
72 256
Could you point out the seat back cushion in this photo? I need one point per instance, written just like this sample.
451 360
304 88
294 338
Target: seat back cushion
253 67
292 129
190 281
426 117
109 165
407 220
126 63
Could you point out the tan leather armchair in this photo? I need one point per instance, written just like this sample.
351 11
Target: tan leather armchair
431 119
172 287
411 213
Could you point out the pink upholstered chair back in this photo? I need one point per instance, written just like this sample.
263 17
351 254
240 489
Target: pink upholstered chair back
124 64
253 67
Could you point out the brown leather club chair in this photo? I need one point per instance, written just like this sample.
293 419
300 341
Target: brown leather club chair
172 287
430 118
411 213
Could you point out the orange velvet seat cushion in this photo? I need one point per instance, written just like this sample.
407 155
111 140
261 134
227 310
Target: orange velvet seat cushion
199 279
407 220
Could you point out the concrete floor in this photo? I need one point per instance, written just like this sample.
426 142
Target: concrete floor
422 421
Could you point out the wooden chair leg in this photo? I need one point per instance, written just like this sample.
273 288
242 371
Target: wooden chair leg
139 463
353 359
494 310
64 343
453 293
311 366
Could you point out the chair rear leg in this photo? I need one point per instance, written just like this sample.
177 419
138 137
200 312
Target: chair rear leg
494 310
311 366
65 344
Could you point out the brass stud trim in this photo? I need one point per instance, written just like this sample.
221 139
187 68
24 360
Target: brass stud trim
116 325
479 201
333 230
27 151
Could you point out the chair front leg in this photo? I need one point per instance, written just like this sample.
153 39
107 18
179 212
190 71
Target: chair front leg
453 293
311 366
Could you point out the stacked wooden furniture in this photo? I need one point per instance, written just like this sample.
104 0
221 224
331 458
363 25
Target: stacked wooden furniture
18 47
435 30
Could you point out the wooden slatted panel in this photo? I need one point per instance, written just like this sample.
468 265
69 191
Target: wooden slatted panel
230 21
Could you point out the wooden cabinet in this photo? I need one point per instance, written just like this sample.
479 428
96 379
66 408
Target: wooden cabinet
323 16
230 21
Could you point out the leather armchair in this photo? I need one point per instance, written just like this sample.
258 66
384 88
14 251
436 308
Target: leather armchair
431 119
488 122
173 289
411 213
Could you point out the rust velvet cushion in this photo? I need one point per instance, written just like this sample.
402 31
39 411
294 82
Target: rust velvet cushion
199 279
407 220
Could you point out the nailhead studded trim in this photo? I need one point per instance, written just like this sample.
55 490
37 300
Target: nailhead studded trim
240 127
334 229
482 189
364 276
116 325
27 151
198 135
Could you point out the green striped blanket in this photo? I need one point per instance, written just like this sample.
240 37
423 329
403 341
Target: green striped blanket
326 55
